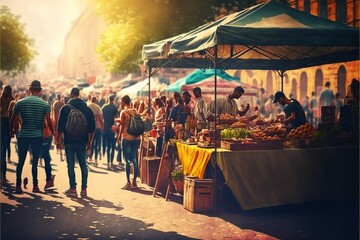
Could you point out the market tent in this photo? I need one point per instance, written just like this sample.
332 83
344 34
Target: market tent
140 89
198 76
268 36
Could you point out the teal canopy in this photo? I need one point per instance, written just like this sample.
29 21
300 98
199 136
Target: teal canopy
197 76
268 36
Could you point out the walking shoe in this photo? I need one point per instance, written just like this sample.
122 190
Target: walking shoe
71 192
83 192
18 189
25 182
50 183
127 186
36 189
134 185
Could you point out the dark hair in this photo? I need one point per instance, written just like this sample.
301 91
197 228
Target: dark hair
176 96
159 103
126 99
196 89
186 93
239 89
75 91
327 84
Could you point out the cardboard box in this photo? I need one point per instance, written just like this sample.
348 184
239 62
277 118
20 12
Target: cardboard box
198 194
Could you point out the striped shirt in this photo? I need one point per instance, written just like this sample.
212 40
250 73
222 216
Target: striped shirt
32 112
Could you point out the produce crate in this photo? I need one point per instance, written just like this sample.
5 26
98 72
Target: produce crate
198 194
152 167
263 145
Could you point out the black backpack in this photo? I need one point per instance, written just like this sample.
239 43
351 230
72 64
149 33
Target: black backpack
136 125
76 125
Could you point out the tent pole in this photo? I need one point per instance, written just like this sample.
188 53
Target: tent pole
149 99
216 180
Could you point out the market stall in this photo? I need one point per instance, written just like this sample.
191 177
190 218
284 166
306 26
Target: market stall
268 36
265 178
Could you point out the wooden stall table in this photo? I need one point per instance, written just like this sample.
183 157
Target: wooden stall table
264 178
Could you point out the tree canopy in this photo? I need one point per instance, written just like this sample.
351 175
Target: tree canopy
131 24
17 48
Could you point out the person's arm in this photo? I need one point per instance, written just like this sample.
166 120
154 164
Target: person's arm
49 123
14 119
290 118
244 111
121 126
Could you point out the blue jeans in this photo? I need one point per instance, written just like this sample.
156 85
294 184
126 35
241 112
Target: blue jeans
45 152
130 150
4 144
96 144
23 145
109 143
80 151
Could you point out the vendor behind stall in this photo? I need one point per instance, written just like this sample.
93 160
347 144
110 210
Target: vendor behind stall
294 113
227 105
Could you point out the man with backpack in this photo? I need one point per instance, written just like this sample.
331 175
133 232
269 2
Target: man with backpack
77 123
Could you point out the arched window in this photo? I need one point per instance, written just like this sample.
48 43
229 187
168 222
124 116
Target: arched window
303 85
255 83
293 88
286 78
341 81
318 81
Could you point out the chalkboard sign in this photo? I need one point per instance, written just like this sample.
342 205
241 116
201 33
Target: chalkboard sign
328 116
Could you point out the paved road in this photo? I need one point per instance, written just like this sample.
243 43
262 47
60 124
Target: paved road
112 213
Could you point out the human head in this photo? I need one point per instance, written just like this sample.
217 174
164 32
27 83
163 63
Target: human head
111 98
126 100
279 98
93 99
35 86
197 92
327 84
176 96
75 92
6 92
337 95
58 96
158 103
238 92
185 95
312 93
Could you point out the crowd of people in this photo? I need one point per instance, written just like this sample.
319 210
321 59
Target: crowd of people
40 121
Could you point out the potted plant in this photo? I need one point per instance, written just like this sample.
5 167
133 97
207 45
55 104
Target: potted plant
177 176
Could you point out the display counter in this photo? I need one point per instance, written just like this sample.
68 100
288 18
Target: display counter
264 178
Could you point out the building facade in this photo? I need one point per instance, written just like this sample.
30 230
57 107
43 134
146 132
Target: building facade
80 59
302 82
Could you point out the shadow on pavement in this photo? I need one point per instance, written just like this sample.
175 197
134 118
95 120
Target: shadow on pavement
36 218
313 220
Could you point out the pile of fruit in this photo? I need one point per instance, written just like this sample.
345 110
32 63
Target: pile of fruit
276 129
235 133
262 135
238 124
303 131
226 116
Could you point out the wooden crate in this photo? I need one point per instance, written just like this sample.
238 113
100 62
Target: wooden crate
263 145
198 194
152 167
